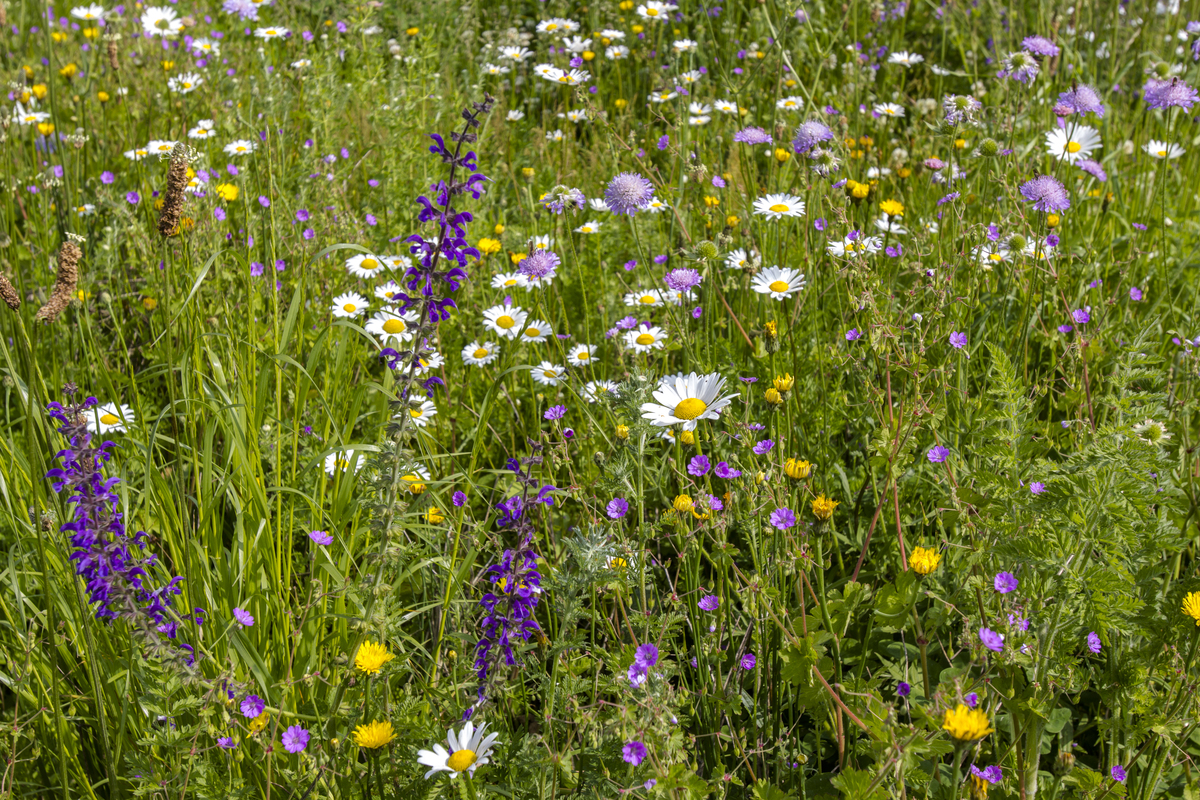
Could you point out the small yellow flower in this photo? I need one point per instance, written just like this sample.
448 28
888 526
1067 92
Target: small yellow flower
782 155
149 303
711 202
227 192
167 65
415 486
102 97
413 31
683 503
260 722
732 221
1191 606
588 55
893 208
924 560
977 787
91 33
434 515
625 5
797 469
1052 220
687 437
70 70
58 36
488 246
784 382
371 657
967 724
638 29
374 735
789 83
774 397
622 432
960 144
904 172
499 229
771 329
823 507
859 191
45 128
527 173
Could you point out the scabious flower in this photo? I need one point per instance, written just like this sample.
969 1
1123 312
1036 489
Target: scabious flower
809 135
628 193
1169 94
682 279
1021 66
1005 582
960 109
1046 193
1040 46
1082 99
753 135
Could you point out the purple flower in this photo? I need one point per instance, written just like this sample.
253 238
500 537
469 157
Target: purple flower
219 214
782 518
321 537
809 135
541 264
295 739
725 472
664 141
937 454
991 640
903 689
682 279
1135 294
1005 582
645 656
309 233
555 412
252 706
628 193
1168 94
748 661
992 774
971 700
1037 487
264 201
1092 168
1118 773
1046 193
133 198
763 447
243 617
633 753
1081 316
853 335
1082 99
226 743
753 135
698 466
107 177
1065 328
958 340
697 312
302 215
1093 642
709 602
1040 46
617 508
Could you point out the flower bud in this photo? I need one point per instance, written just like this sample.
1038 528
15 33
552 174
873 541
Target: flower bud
797 469
989 148
774 397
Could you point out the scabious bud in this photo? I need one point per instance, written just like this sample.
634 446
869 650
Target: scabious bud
707 249
1017 242
989 148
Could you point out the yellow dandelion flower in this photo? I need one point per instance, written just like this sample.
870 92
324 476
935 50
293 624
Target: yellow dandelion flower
1191 606
924 560
774 397
622 431
487 246
260 722
797 469
967 724
227 192
823 507
784 383
374 735
683 503
782 155
434 515
371 657
893 208
732 221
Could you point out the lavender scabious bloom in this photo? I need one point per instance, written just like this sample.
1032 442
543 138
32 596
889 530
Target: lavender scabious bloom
111 562
934 163
540 264
698 466
682 279
1021 66
1093 168
246 9
991 640
960 108
1046 193
937 454
1082 99
903 689
295 739
782 518
709 602
628 193
1169 94
1093 642
753 135
633 753
617 508
809 135
1005 582
1040 46
726 472
992 774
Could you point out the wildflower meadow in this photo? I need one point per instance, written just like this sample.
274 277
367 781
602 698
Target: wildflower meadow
764 399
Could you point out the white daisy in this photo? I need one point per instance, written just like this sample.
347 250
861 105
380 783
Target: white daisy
468 750
577 44
88 13
688 400
515 115
690 77
548 373
655 206
86 210
664 96
905 58
109 417
791 103
414 479
591 226
740 259
780 283
23 117
206 47
271 33
777 206
891 224
392 328
554 136
398 263
203 130
536 331
991 254
726 106
650 297
539 242
594 390
889 109
581 354
495 69
856 247
157 146
643 340
510 280
1167 150
598 204
158 21
341 461
655 10
517 54
616 52
240 147
349 305
364 265
506 321
185 83
428 362
388 291
1072 143
420 415
476 354
302 63
137 154
684 46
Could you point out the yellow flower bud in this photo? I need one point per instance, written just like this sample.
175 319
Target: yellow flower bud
499 229
782 155
774 397
622 432
620 103
785 382
687 437
588 55
683 503
413 31
823 507
797 469
1052 220
732 221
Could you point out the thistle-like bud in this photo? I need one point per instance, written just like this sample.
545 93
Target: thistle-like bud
988 148
172 209
707 249
64 283
7 292
1017 242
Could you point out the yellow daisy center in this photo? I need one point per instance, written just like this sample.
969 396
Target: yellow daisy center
647 299
550 27
369 263
188 85
109 419
583 355
995 257
415 413
533 332
1074 147
480 353
343 464
511 282
505 321
349 308
690 408
651 12
549 373
163 147
778 286
779 208
394 326
645 339
1162 153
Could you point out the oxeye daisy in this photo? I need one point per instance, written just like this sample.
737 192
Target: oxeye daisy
591 226
349 305
655 10
687 400
778 206
905 58
136 154
184 83
739 259
855 246
469 750
420 415
655 205
581 354
239 147
991 254
1165 150
548 373
790 103
477 355
889 109
397 263
364 265
643 340
506 321
650 297
509 280
594 390
517 54
88 13
388 291
535 331
1072 143
779 283
203 130
392 328
157 21
158 146
539 242
109 417
341 461
271 33
428 362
